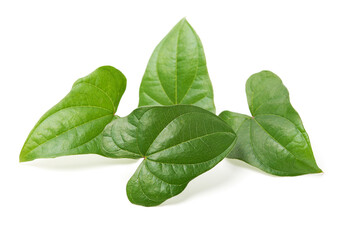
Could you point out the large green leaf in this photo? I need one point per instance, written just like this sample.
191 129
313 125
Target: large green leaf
274 138
75 124
177 72
178 143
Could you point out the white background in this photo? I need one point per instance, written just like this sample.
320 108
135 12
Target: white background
46 45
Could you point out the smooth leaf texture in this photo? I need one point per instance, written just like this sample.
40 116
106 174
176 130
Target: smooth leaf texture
177 72
178 143
75 124
274 139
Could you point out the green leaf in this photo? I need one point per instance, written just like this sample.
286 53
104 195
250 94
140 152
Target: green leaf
274 139
178 143
177 72
75 124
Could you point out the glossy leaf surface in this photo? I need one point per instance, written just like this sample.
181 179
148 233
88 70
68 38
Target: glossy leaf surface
177 72
274 139
178 143
75 124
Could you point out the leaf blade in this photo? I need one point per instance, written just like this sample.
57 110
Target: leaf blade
74 125
177 72
178 143
274 139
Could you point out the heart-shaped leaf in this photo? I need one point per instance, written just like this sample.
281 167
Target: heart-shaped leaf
178 143
75 124
274 138
177 72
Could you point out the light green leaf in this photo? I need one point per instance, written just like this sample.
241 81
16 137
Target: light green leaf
75 124
274 139
177 72
178 143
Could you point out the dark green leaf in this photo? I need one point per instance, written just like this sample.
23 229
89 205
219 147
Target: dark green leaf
177 72
75 124
274 139
178 143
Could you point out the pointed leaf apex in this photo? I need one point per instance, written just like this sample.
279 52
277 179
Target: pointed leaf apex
183 22
23 158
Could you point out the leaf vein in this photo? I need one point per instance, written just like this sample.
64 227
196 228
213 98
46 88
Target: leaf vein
67 131
95 86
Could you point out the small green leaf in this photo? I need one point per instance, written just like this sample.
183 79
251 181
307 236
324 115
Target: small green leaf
274 139
75 124
178 143
177 72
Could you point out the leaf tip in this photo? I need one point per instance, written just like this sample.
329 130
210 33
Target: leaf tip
315 168
184 22
318 170
184 19
23 157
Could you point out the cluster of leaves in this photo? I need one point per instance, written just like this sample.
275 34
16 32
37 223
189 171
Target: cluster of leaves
174 129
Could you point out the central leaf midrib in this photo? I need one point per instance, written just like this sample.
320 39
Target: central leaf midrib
256 155
74 106
59 110
277 140
182 114
70 129
158 75
176 69
192 139
196 71
272 114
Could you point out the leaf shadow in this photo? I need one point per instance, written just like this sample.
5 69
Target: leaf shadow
220 176
227 172
78 162
242 164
